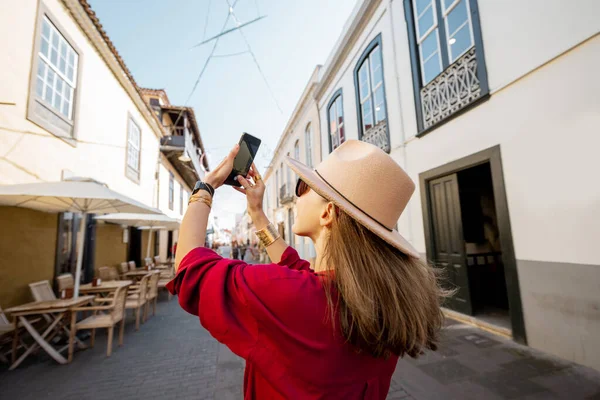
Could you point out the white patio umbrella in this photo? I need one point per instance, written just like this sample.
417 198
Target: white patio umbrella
143 221
80 195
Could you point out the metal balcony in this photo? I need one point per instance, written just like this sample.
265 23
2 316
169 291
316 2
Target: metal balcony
177 148
455 88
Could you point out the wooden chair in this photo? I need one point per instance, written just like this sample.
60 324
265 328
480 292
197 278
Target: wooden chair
123 268
136 299
165 277
109 316
65 281
108 274
132 266
6 335
152 294
41 291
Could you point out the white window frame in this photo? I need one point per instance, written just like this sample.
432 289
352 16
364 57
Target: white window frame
133 171
469 21
308 144
336 133
367 63
420 39
69 84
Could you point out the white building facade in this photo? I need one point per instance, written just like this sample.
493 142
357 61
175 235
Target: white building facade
69 107
498 128
300 140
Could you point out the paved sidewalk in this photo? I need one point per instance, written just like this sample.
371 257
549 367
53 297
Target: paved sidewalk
172 357
474 364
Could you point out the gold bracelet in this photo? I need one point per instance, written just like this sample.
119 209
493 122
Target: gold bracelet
268 235
206 199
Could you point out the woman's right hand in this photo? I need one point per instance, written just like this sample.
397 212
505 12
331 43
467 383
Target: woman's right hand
254 190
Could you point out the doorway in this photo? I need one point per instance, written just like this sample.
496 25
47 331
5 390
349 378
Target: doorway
467 230
134 250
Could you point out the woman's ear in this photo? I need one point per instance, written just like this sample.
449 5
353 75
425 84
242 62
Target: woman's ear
327 214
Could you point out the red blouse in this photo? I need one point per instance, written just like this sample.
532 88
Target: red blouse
275 317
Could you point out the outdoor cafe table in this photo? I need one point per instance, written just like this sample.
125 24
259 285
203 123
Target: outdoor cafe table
106 287
57 310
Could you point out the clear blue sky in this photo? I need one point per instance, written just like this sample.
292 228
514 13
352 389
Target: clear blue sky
155 38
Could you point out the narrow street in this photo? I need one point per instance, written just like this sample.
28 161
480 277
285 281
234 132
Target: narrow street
173 357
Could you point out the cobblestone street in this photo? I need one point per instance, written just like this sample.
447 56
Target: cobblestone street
172 357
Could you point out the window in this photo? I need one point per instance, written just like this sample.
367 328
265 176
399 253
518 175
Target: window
335 117
288 174
444 33
133 150
181 200
56 72
277 186
370 96
297 150
456 34
53 80
308 145
171 190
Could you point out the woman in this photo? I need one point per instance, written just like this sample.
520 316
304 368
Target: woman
234 250
334 332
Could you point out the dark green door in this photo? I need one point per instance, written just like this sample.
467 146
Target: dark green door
449 244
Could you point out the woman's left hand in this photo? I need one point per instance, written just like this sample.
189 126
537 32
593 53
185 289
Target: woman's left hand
254 190
217 176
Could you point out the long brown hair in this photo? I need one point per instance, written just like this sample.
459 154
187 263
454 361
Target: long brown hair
387 303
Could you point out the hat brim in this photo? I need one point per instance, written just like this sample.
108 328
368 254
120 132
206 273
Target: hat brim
314 181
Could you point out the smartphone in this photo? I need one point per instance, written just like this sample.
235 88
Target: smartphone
241 164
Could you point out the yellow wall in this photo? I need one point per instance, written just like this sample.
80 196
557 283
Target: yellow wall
27 252
145 244
110 249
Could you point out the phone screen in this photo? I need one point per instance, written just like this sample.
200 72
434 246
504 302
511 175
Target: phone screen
247 152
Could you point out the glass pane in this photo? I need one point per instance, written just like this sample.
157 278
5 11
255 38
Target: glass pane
457 17
50 83
65 108
429 45
57 100
421 5
425 22
342 135
45 29
70 73
62 65
54 40
379 105
377 71
44 48
39 86
363 80
59 85
41 68
460 42
334 141
332 121
340 111
432 68
71 58
63 49
367 114
53 56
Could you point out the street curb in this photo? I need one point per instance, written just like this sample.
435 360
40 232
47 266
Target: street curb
466 319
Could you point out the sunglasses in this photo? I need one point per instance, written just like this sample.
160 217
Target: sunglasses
301 187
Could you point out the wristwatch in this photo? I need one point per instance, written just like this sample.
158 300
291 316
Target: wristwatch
203 186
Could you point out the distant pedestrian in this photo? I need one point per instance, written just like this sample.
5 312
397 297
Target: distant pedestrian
235 250
335 332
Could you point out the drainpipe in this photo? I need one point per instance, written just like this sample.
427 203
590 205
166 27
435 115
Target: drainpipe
402 125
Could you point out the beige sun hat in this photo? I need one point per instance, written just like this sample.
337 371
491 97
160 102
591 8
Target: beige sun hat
367 184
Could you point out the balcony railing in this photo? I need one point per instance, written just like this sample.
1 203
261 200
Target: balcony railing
285 194
378 136
454 89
